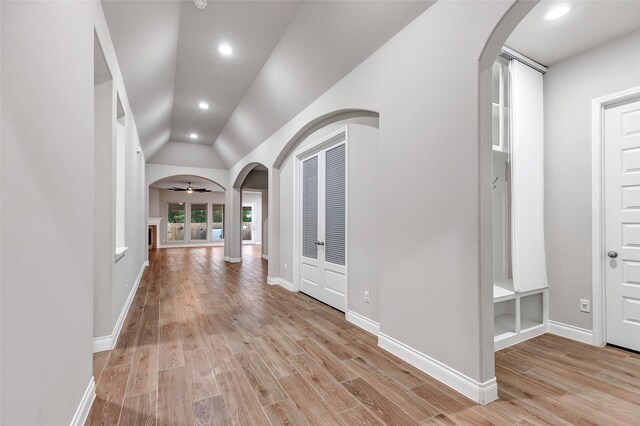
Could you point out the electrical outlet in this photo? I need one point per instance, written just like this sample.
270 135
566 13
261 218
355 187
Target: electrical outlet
366 297
285 267
585 305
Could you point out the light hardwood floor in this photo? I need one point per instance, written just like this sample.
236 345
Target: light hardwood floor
210 343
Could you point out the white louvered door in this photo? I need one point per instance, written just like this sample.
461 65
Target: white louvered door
323 263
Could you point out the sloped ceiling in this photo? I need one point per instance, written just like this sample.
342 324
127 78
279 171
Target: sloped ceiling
286 54
587 24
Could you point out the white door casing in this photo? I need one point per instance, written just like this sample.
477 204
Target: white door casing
322 236
622 224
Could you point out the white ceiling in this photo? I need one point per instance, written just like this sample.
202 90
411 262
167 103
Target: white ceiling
182 181
587 25
287 53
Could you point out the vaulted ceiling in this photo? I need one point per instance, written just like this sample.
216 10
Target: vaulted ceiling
587 24
285 55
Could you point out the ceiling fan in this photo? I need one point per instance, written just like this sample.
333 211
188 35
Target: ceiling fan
189 189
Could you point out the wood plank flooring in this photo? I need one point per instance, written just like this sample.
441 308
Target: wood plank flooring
210 343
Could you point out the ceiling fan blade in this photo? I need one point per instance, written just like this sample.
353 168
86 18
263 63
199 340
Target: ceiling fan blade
201 190
176 189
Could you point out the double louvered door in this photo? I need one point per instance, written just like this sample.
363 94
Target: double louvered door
323 260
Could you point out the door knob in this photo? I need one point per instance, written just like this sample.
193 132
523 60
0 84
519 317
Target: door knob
612 254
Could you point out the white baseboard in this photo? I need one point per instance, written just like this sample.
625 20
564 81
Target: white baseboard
500 344
281 282
106 343
146 263
265 256
232 259
482 393
83 409
363 322
571 332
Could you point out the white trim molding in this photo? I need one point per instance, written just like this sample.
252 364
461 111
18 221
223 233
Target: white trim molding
146 263
598 106
482 393
265 256
82 412
572 332
106 343
281 282
363 322
232 259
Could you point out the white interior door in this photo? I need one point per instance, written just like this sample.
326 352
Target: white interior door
622 224
323 263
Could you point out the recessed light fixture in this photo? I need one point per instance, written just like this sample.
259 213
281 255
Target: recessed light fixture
193 135
557 12
203 105
225 49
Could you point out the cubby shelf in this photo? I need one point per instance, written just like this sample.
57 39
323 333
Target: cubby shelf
518 316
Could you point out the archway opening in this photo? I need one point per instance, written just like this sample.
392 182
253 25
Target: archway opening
540 72
185 211
252 203
357 273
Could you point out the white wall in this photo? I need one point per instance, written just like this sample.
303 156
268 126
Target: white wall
154 202
569 87
188 155
166 197
427 93
48 146
47 294
104 213
114 281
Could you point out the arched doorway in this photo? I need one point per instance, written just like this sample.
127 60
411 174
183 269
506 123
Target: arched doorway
250 207
577 70
360 131
185 211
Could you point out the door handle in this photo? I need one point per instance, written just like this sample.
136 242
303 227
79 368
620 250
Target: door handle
612 254
321 243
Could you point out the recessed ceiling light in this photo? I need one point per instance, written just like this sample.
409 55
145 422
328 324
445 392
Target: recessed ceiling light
203 105
556 12
193 135
225 49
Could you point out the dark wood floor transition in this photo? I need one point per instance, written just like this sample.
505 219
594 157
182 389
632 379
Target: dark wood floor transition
211 343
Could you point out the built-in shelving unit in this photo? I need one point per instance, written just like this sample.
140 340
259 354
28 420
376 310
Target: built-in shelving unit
520 288
518 316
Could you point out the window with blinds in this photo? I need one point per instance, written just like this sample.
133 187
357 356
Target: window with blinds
335 205
310 207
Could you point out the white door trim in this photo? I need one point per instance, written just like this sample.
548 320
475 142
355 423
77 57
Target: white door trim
334 138
598 106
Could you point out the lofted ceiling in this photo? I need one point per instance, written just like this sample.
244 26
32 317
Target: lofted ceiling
587 24
182 181
286 54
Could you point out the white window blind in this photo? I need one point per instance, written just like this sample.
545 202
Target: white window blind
335 214
310 208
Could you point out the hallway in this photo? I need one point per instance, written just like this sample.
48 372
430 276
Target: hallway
208 342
